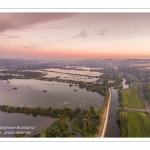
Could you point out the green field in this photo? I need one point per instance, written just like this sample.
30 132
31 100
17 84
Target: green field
138 124
130 97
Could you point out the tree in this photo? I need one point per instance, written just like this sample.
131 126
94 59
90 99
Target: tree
122 116
86 111
78 110
105 82
96 111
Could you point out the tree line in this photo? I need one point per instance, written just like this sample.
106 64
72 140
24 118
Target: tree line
57 112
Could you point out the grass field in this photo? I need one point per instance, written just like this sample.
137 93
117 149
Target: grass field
132 77
138 124
130 97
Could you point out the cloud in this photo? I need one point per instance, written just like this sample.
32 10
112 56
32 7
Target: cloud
17 21
58 27
82 34
143 27
32 45
13 37
37 45
60 40
103 33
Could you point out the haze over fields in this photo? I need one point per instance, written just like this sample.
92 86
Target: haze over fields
74 35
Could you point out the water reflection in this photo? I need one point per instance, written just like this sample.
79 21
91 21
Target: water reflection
80 72
22 120
69 77
113 128
30 93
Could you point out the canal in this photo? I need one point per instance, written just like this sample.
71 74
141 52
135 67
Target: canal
113 128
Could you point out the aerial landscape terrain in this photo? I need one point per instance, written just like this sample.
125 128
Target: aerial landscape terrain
74 75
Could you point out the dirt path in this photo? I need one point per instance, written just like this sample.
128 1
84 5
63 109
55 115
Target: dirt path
104 117
134 109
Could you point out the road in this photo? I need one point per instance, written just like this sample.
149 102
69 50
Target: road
147 106
134 109
104 121
107 113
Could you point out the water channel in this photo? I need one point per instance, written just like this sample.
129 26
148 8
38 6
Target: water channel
113 128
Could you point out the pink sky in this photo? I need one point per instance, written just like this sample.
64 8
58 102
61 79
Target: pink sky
74 35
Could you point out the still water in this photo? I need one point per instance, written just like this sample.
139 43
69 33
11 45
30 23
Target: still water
30 93
113 128
69 77
79 72
37 123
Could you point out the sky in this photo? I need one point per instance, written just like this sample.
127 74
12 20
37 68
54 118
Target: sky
74 35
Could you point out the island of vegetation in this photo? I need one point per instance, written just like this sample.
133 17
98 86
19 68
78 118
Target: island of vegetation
85 122
44 91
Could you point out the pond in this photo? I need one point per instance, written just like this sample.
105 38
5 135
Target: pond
83 68
30 93
19 121
69 77
79 72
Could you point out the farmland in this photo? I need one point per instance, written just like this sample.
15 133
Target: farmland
146 91
130 97
138 124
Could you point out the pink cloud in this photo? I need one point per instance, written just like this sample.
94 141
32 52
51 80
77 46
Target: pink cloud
81 34
15 21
